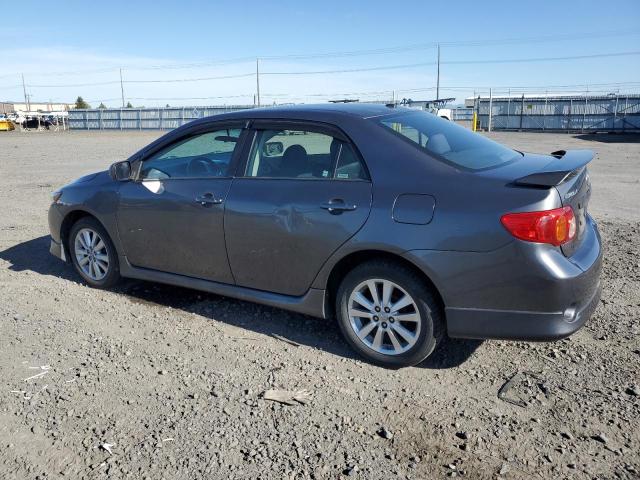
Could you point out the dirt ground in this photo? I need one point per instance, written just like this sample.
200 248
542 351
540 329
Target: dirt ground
150 381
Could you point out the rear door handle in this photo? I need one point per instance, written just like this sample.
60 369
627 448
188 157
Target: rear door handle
337 206
207 199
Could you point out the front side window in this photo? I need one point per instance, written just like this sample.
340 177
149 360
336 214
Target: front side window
200 156
450 142
303 154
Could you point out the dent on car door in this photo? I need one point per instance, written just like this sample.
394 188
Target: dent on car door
304 193
171 218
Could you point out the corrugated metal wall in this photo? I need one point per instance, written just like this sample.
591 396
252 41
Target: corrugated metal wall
587 113
462 114
562 113
142 118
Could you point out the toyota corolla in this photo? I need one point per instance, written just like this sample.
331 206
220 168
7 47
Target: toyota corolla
402 226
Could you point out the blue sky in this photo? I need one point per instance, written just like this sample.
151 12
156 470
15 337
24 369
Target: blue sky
76 48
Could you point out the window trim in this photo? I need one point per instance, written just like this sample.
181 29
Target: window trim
311 126
194 132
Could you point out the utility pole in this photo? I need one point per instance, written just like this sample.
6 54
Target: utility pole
438 81
122 88
26 97
258 80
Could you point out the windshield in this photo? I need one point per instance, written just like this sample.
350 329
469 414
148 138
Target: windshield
448 141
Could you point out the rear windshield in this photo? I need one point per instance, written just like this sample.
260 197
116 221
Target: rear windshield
448 141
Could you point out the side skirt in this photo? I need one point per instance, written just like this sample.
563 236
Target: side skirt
311 303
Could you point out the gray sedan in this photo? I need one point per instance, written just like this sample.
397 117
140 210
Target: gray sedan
402 226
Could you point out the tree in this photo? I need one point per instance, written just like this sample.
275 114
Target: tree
102 106
80 103
129 105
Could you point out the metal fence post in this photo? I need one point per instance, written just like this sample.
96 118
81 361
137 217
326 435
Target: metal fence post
139 119
584 114
570 111
508 108
490 109
544 115
615 114
521 111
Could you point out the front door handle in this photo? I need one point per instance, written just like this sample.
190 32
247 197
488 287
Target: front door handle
336 206
208 199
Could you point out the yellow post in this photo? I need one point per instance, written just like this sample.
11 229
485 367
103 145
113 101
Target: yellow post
474 127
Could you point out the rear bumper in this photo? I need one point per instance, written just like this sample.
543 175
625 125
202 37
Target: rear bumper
522 291
515 325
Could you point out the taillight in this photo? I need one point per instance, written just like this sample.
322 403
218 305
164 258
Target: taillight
557 226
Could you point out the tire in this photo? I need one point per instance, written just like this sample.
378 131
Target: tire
101 270
417 334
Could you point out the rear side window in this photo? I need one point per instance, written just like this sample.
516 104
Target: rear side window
303 154
450 142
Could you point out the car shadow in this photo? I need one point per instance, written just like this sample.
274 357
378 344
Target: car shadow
33 255
610 137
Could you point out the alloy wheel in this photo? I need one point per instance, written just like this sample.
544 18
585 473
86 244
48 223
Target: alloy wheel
384 316
91 254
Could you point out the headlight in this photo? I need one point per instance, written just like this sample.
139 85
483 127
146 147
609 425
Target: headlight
55 196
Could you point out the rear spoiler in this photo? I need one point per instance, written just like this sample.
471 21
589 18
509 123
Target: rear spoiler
558 169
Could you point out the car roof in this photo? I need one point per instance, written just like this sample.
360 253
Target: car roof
310 112
326 112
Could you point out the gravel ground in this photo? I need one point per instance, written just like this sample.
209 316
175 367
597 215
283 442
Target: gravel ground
150 381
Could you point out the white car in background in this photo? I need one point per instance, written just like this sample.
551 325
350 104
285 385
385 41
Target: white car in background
445 113
17 118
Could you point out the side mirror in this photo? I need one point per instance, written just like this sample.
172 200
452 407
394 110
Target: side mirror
120 171
273 149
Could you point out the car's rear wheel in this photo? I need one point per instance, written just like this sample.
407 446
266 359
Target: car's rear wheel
93 254
389 314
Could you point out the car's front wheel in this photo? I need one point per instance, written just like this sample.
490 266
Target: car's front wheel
389 314
93 254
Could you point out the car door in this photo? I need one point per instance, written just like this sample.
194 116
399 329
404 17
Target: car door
303 192
171 218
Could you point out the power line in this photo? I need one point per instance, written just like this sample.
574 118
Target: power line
247 95
462 43
460 62
363 52
348 70
469 88
542 59
176 80
200 79
96 84
351 70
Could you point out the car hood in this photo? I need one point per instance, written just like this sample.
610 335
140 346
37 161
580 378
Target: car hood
96 177
90 177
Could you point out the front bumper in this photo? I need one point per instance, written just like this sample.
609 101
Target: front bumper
523 291
55 249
